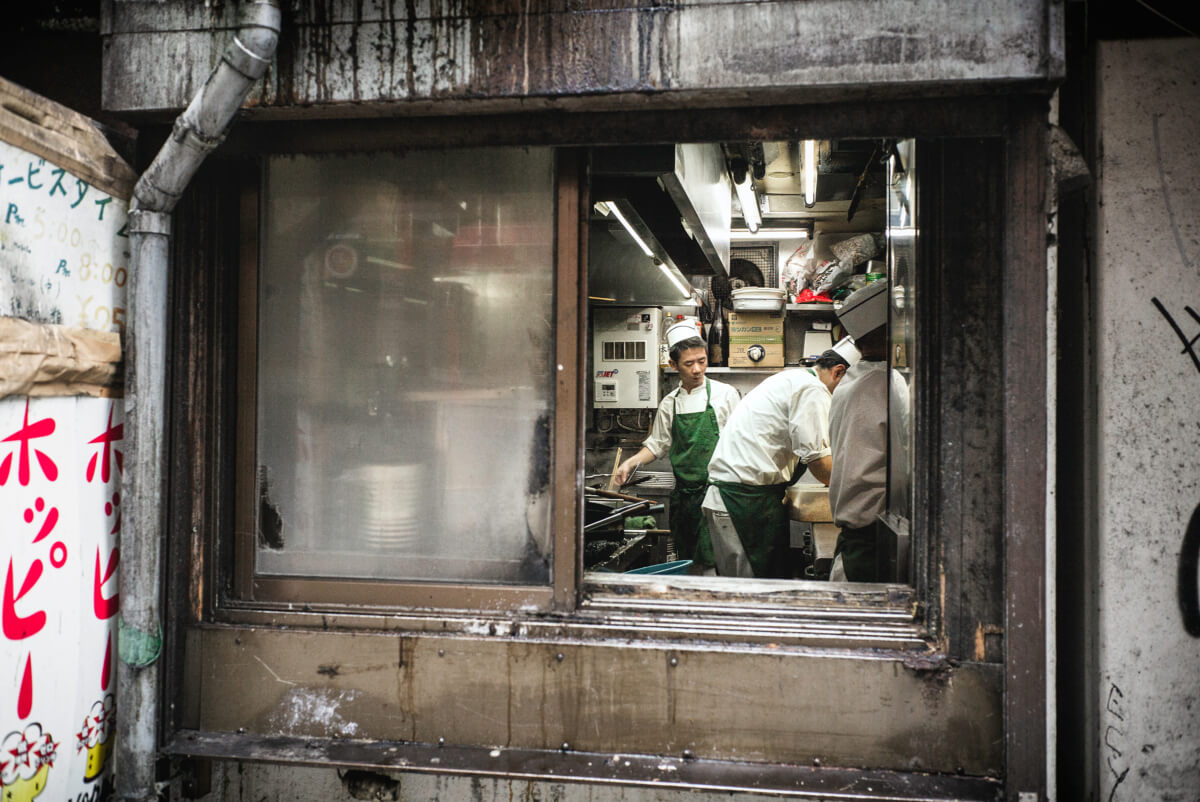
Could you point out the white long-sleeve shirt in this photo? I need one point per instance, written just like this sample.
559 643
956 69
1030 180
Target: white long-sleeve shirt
724 399
781 422
858 430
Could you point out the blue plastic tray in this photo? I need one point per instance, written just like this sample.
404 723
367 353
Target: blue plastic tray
673 567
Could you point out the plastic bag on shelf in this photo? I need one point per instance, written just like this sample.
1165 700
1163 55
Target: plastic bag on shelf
795 269
834 275
858 249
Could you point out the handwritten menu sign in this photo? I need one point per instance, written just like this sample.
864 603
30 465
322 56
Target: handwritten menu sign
63 259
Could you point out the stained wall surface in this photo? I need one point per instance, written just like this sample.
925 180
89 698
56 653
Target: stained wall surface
334 53
1147 279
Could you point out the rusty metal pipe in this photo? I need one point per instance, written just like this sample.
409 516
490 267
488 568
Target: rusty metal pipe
197 132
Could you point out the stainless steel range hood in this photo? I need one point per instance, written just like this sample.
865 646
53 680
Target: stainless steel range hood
620 273
680 192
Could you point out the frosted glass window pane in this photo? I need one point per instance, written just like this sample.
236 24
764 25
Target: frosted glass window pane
405 366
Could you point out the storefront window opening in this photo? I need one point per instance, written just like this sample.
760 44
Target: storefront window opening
405 357
763 282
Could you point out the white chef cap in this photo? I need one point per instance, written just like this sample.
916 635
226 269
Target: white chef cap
681 331
848 351
865 310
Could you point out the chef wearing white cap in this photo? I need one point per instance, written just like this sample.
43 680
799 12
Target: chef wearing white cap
858 429
689 421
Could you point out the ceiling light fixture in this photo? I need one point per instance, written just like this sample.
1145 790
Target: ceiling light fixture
748 198
610 207
769 233
604 207
809 166
679 285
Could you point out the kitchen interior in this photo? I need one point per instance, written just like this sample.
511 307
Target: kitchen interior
757 244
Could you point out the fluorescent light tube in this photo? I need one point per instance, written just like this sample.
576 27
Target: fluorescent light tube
769 233
748 198
809 167
687 292
636 238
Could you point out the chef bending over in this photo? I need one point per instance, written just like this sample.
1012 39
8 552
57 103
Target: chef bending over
780 428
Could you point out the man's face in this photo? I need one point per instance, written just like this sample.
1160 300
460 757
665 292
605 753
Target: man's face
831 376
691 365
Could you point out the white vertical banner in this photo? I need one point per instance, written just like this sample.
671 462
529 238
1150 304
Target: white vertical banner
63 260
61 461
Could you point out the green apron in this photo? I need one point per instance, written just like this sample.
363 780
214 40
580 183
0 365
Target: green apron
693 440
761 521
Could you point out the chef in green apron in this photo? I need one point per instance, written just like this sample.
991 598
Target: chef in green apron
686 428
780 428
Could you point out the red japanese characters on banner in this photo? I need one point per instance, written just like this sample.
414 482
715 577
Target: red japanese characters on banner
17 626
61 465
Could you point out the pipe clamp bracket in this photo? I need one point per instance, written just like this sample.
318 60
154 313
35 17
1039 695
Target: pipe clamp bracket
188 135
138 649
247 63
146 221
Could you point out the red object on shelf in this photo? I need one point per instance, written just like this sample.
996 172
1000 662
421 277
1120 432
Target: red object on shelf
807 296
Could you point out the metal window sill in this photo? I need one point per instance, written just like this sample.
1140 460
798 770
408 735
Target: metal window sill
681 773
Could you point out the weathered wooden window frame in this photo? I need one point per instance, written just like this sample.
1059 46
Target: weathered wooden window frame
919 621
800 610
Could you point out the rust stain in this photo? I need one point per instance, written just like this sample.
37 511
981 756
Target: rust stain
470 48
410 43
981 633
407 694
944 640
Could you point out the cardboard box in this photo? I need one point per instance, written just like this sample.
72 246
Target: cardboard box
772 359
756 325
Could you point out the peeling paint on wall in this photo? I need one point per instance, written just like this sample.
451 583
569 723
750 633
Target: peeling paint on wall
314 710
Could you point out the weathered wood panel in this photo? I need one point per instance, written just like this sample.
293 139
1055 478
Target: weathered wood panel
1024 557
158 54
759 704
63 137
961 186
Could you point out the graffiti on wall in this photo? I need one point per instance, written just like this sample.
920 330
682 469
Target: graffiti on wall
1189 552
1189 576
1114 739
1189 345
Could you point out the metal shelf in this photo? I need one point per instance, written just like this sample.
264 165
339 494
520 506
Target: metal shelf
721 369
811 308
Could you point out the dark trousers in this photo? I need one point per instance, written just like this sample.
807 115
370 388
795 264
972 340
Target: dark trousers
860 550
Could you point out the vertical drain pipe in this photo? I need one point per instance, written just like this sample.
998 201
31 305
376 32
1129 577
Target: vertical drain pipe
197 132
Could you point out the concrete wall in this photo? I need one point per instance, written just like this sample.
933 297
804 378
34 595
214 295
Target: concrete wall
1147 247
424 53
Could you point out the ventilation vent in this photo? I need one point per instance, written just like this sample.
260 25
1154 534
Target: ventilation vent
755 265
619 351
